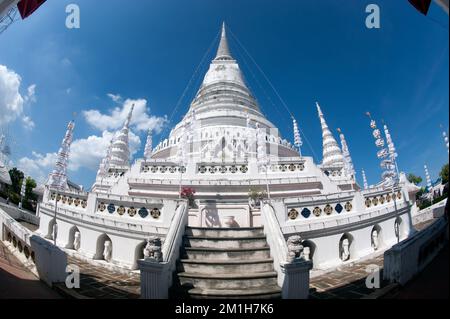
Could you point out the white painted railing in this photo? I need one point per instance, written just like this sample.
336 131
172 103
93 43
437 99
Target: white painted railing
434 211
156 277
407 258
275 239
20 214
174 238
293 277
45 260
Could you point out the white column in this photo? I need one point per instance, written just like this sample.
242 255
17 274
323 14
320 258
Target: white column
296 280
154 279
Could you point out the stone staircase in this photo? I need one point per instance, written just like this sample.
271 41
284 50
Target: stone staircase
225 263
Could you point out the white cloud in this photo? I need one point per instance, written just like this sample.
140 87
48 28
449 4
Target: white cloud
115 97
84 153
39 166
31 94
28 123
11 102
116 117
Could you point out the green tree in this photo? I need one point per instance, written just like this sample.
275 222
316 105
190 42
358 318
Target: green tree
29 195
444 174
414 179
16 180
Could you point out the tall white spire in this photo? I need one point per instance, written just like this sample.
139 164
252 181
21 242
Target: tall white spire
428 178
444 135
58 177
261 152
297 138
347 158
389 174
148 145
392 151
223 52
4 174
366 185
120 151
332 155
106 161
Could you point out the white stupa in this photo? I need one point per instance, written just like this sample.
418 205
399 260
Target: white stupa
235 171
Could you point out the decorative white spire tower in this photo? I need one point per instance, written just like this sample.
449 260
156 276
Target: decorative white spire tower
104 165
120 151
148 145
297 138
348 163
444 135
366 185
332 155
388 166
261 146
58 178
428 178
23 189
392 152
223 52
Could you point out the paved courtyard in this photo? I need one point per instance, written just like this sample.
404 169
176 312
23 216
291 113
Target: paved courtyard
100 283
17 282
346 282
349 282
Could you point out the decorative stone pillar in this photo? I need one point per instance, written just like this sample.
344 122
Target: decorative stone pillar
296 280
154 279
154 274
295 271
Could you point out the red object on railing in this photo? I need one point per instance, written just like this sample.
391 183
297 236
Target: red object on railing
27 7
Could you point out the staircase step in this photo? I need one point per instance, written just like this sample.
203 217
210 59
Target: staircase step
195 253
227 281
225 266
221 242
225 232
270 292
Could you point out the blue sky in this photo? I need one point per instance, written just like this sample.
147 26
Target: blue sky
148 50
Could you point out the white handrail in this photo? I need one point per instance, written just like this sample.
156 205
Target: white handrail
275 239
173 240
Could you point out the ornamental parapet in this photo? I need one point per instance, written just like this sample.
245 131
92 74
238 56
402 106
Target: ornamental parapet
128 206
135 228
382 199
68 199
321 205
223 182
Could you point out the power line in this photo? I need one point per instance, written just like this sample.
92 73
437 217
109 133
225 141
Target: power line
190 82
274 89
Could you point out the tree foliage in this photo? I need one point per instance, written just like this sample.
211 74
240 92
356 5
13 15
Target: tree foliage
444 174
13 190
414 179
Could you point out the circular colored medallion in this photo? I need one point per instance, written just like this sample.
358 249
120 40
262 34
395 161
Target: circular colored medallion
317 211
155 213
293 214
